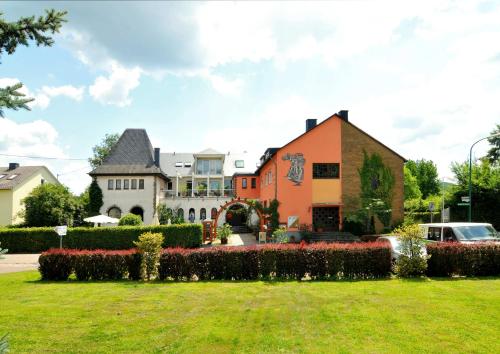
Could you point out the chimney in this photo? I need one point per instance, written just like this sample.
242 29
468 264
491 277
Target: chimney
310 123
157 157
344 115
13 165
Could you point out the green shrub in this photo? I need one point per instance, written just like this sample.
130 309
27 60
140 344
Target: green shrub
2 251
224 231
130 220
413 259
4 344
40 239
149 245
280 235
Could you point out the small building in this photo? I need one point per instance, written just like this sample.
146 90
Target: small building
16 183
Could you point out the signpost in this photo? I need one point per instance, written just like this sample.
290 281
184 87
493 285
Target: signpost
61 231
446 215
431 209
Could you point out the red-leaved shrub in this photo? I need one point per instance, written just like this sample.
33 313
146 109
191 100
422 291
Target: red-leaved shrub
479 259
57 264
280 261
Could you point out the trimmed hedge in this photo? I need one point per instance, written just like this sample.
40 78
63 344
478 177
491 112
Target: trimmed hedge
448 259
40 239
285 261
59 264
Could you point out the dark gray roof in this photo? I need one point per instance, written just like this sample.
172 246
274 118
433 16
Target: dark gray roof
22 174
132 154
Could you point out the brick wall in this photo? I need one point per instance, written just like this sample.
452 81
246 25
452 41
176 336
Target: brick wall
353 143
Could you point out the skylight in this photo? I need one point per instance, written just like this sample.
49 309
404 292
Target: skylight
2 176
187 164
178 164
12 177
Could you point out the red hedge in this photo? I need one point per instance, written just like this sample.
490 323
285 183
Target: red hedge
479 259
57 264
285 261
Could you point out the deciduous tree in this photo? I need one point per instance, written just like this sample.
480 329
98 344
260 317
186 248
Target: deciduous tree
102 150
427 176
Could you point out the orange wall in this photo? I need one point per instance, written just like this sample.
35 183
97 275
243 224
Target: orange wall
322 144
249 192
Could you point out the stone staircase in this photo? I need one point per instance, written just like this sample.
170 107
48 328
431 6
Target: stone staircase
243 229
343 237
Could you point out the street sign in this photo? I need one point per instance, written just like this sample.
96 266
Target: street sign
465 199
463 204
431 206
61 230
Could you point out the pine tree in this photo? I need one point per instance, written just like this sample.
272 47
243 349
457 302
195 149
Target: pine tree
20 32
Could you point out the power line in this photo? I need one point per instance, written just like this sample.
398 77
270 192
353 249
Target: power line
44 157
67 173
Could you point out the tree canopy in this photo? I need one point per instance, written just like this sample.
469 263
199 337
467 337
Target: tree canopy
102 150
411 189
49 205
20 32
494 152
427 176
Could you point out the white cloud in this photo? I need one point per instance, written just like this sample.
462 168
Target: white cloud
44 95
226 86
39 138
115 89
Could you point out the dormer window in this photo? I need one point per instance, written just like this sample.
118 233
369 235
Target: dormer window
239 163
187 164
178 164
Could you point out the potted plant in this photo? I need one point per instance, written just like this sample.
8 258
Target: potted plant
223 232
319 226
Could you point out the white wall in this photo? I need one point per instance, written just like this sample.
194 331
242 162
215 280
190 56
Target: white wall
127 199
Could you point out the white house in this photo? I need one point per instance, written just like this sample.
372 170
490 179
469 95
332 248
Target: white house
136 178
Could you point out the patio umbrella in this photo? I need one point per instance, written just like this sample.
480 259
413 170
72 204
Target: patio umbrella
101 219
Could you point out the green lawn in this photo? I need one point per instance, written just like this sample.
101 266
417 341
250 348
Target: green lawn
221 317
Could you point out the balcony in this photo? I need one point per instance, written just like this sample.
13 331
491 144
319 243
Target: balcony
170 194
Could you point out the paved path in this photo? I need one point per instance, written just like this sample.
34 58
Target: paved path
11 263
237 240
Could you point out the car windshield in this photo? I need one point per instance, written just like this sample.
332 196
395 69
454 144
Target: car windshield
476 233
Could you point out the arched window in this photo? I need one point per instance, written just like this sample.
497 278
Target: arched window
180 213
203 214
213 213
114 212
192 215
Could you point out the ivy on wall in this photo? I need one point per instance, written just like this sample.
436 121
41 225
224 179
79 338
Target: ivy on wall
377 185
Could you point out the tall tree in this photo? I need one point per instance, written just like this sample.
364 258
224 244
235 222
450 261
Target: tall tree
20 32
427 177
102 150
49 205
411 189
95 198
494 152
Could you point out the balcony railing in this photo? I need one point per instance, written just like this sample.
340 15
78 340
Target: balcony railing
226 193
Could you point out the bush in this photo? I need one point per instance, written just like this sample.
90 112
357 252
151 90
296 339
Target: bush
412 260
280 261
280 235
2 251
130 220
149 246
59 264
35 240
448 259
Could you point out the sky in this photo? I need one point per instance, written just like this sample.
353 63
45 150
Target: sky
421 77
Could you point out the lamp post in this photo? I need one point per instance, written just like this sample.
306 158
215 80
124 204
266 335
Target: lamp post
470 172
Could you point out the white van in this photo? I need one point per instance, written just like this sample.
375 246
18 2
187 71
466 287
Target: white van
463 232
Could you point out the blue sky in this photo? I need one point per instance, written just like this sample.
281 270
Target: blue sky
423 77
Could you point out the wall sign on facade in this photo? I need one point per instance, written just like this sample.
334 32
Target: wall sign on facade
293 221
296 171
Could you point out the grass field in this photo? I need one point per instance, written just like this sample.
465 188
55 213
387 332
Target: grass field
222 317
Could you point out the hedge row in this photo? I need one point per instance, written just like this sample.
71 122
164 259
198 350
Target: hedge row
317 261
59 264
39 239
447 259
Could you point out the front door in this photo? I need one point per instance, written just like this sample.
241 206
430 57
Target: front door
326 219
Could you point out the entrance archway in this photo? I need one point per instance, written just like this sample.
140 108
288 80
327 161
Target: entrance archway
236 215
226 206
137 210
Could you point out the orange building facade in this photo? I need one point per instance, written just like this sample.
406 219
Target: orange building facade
316 177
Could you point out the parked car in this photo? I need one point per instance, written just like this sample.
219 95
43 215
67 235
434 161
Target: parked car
463 232
395 243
